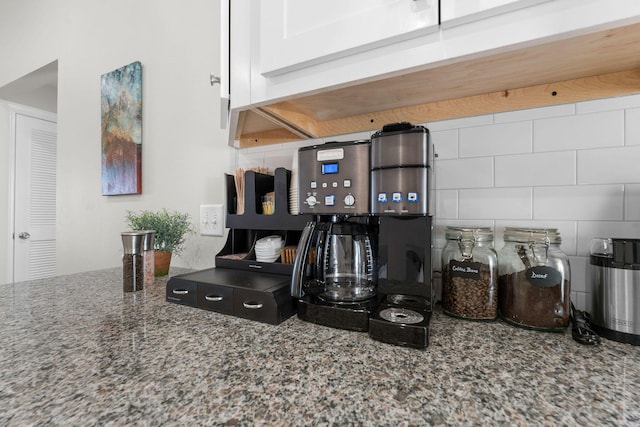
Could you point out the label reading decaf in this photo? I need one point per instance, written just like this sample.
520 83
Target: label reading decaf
543 276
465 269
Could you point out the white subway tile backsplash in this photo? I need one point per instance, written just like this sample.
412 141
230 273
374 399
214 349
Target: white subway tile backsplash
263 148
278 161
495 203
464 173
588 230
572 167
609 165
605 129
445 143
446 203
506 138
632 127
608 104
587 202
536 113
248 159
581 301
459 123
303 143
539 169
349 137
579 276
632 202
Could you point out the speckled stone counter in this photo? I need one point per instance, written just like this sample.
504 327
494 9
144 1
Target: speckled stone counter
76 351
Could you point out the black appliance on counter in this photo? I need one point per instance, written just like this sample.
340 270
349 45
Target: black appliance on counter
364 262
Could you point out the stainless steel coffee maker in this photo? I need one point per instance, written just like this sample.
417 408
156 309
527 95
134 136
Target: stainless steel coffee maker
364 262
335 270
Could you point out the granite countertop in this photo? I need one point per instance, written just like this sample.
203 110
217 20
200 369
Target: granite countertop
76 351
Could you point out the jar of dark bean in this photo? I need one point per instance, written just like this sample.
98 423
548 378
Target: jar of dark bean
469 273
534 279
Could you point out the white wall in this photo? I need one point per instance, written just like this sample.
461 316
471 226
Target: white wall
4 193
184 152
573 167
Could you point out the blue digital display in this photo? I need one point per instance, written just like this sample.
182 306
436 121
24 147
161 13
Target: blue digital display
328 168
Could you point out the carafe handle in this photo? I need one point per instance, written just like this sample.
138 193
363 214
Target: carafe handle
301 255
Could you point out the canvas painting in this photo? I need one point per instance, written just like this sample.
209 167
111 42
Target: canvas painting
121 100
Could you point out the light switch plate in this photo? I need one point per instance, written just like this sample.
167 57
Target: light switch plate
211 220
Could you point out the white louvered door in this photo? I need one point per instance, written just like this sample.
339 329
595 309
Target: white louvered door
35 199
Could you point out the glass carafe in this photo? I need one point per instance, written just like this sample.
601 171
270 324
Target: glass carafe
350 273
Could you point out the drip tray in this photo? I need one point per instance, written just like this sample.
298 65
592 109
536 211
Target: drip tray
402 320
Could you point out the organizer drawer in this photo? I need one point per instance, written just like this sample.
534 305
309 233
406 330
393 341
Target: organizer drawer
215 297
255 305
183 292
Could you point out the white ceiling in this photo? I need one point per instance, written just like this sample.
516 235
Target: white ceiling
38 89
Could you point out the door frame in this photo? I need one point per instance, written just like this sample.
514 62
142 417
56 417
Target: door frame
14 111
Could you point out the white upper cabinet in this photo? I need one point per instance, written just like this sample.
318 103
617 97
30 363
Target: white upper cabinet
456 12
295 34
309 69
299 47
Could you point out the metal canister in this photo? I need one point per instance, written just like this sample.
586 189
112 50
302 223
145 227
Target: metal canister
149 256
132 261
615 283
400 170
470 273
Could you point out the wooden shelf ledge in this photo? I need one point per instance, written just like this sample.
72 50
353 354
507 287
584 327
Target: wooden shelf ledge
590 66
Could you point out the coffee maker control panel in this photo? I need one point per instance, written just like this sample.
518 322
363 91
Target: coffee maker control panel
334 178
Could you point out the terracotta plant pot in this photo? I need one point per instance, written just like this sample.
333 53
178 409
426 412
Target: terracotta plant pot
162 260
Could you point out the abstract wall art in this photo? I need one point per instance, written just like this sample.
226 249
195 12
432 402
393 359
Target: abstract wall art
121 104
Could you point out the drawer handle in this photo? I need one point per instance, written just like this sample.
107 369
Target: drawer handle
180 291
251 305
214 298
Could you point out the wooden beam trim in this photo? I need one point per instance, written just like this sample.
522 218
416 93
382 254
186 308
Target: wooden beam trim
301 121
273 136
294 122
568 91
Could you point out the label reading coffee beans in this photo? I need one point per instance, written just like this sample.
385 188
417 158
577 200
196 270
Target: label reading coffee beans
465 269
543 276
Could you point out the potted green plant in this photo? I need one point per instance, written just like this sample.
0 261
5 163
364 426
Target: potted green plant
171 229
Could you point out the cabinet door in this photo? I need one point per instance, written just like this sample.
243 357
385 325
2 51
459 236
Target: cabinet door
222 78
298 33
455 12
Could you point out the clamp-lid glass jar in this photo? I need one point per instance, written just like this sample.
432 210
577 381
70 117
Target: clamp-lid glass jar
470 273
534 279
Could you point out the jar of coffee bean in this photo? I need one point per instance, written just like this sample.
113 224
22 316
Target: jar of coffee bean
469 274
534 279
